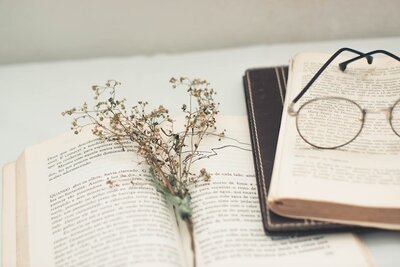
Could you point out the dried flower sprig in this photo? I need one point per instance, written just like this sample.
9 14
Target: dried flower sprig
168 153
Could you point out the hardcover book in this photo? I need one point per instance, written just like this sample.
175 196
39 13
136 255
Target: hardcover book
265 90
339 145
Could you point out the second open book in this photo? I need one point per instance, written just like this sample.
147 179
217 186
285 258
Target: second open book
77 201
356 184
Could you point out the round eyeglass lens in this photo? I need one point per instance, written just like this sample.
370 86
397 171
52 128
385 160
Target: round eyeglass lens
395 118
329 122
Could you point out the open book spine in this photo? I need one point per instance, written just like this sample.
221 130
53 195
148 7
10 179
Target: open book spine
265 90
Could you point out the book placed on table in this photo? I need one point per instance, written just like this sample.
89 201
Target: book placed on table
337 158
265 90
77 201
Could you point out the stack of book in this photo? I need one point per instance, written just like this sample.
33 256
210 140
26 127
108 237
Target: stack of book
304 189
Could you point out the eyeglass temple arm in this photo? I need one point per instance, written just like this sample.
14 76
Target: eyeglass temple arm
344 64
361 55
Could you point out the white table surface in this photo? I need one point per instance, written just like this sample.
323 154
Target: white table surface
33 95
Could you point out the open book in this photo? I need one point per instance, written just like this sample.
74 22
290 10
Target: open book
77 201
358 183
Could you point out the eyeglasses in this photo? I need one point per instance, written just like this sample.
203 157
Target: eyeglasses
333 122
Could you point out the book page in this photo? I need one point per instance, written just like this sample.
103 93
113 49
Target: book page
368 166
91 204
227 219
9 231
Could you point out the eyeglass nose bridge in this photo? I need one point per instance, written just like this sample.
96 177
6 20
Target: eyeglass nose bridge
387 111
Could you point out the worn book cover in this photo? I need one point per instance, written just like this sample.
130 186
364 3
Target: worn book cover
265 90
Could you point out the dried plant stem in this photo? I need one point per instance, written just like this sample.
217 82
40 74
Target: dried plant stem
201 135
189 224
168 153
153 162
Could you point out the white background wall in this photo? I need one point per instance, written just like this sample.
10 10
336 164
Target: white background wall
38 30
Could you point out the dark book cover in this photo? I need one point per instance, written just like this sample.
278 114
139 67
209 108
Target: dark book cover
265 90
